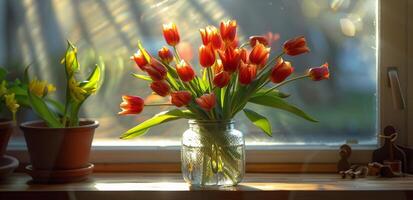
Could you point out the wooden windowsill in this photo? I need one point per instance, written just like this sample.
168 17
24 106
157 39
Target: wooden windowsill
171 186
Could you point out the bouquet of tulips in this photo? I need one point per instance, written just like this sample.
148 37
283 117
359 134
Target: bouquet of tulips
231 76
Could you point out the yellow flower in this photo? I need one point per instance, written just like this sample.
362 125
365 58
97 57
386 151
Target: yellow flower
3 88
11 103
76 91
40 88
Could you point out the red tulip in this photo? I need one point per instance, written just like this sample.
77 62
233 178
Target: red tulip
210 35
247 73
296 46
156 70
319 73
181 98
131 105
259 55
165 55
170 33
206 101
139 60
228 30
206 55
185 71
244 55
257 38
222 79
218 67
230 59
161 88
281 71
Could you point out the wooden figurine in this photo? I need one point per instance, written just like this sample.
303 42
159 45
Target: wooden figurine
345 153
390 153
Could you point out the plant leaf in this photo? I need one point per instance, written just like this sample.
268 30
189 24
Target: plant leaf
276 93
160 118
3 73
259 121
144 52
143 77
55 105
39 106
92 82
277 102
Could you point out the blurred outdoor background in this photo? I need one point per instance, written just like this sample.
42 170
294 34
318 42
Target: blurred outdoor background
341 32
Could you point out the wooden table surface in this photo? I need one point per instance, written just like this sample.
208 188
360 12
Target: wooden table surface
171 186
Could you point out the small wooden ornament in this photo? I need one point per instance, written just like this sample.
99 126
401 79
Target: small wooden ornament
345 153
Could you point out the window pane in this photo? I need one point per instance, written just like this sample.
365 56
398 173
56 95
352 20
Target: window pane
341 32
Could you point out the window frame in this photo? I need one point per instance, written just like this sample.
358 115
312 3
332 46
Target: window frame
397 51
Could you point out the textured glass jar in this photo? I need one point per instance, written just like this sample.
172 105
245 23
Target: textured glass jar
212 154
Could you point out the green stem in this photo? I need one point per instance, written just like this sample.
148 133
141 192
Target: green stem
285 82
209 74
159 104
64 121
177 57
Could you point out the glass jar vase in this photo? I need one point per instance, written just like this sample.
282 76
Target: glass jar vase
212 153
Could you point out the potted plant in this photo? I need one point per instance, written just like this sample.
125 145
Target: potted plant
59 145
12 97
213 151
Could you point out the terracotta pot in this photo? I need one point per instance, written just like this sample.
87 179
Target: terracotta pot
59 148
6 129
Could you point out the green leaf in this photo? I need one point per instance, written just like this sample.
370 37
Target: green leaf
144 52
143 77
92 82
277 102
160 118
276 93
3 73
55 105
259 121
39 106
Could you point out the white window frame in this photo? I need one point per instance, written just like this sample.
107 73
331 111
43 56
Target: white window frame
395 49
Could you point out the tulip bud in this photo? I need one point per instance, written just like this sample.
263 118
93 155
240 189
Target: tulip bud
185 71
230 59
131 105
206 101
259 55
228 30
181 98
170 33
165 55
281 71
260 39
161 88
206 55
244 55
247 73
70 60
319 73
210 35
222 79
156 70
139 60
296 46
